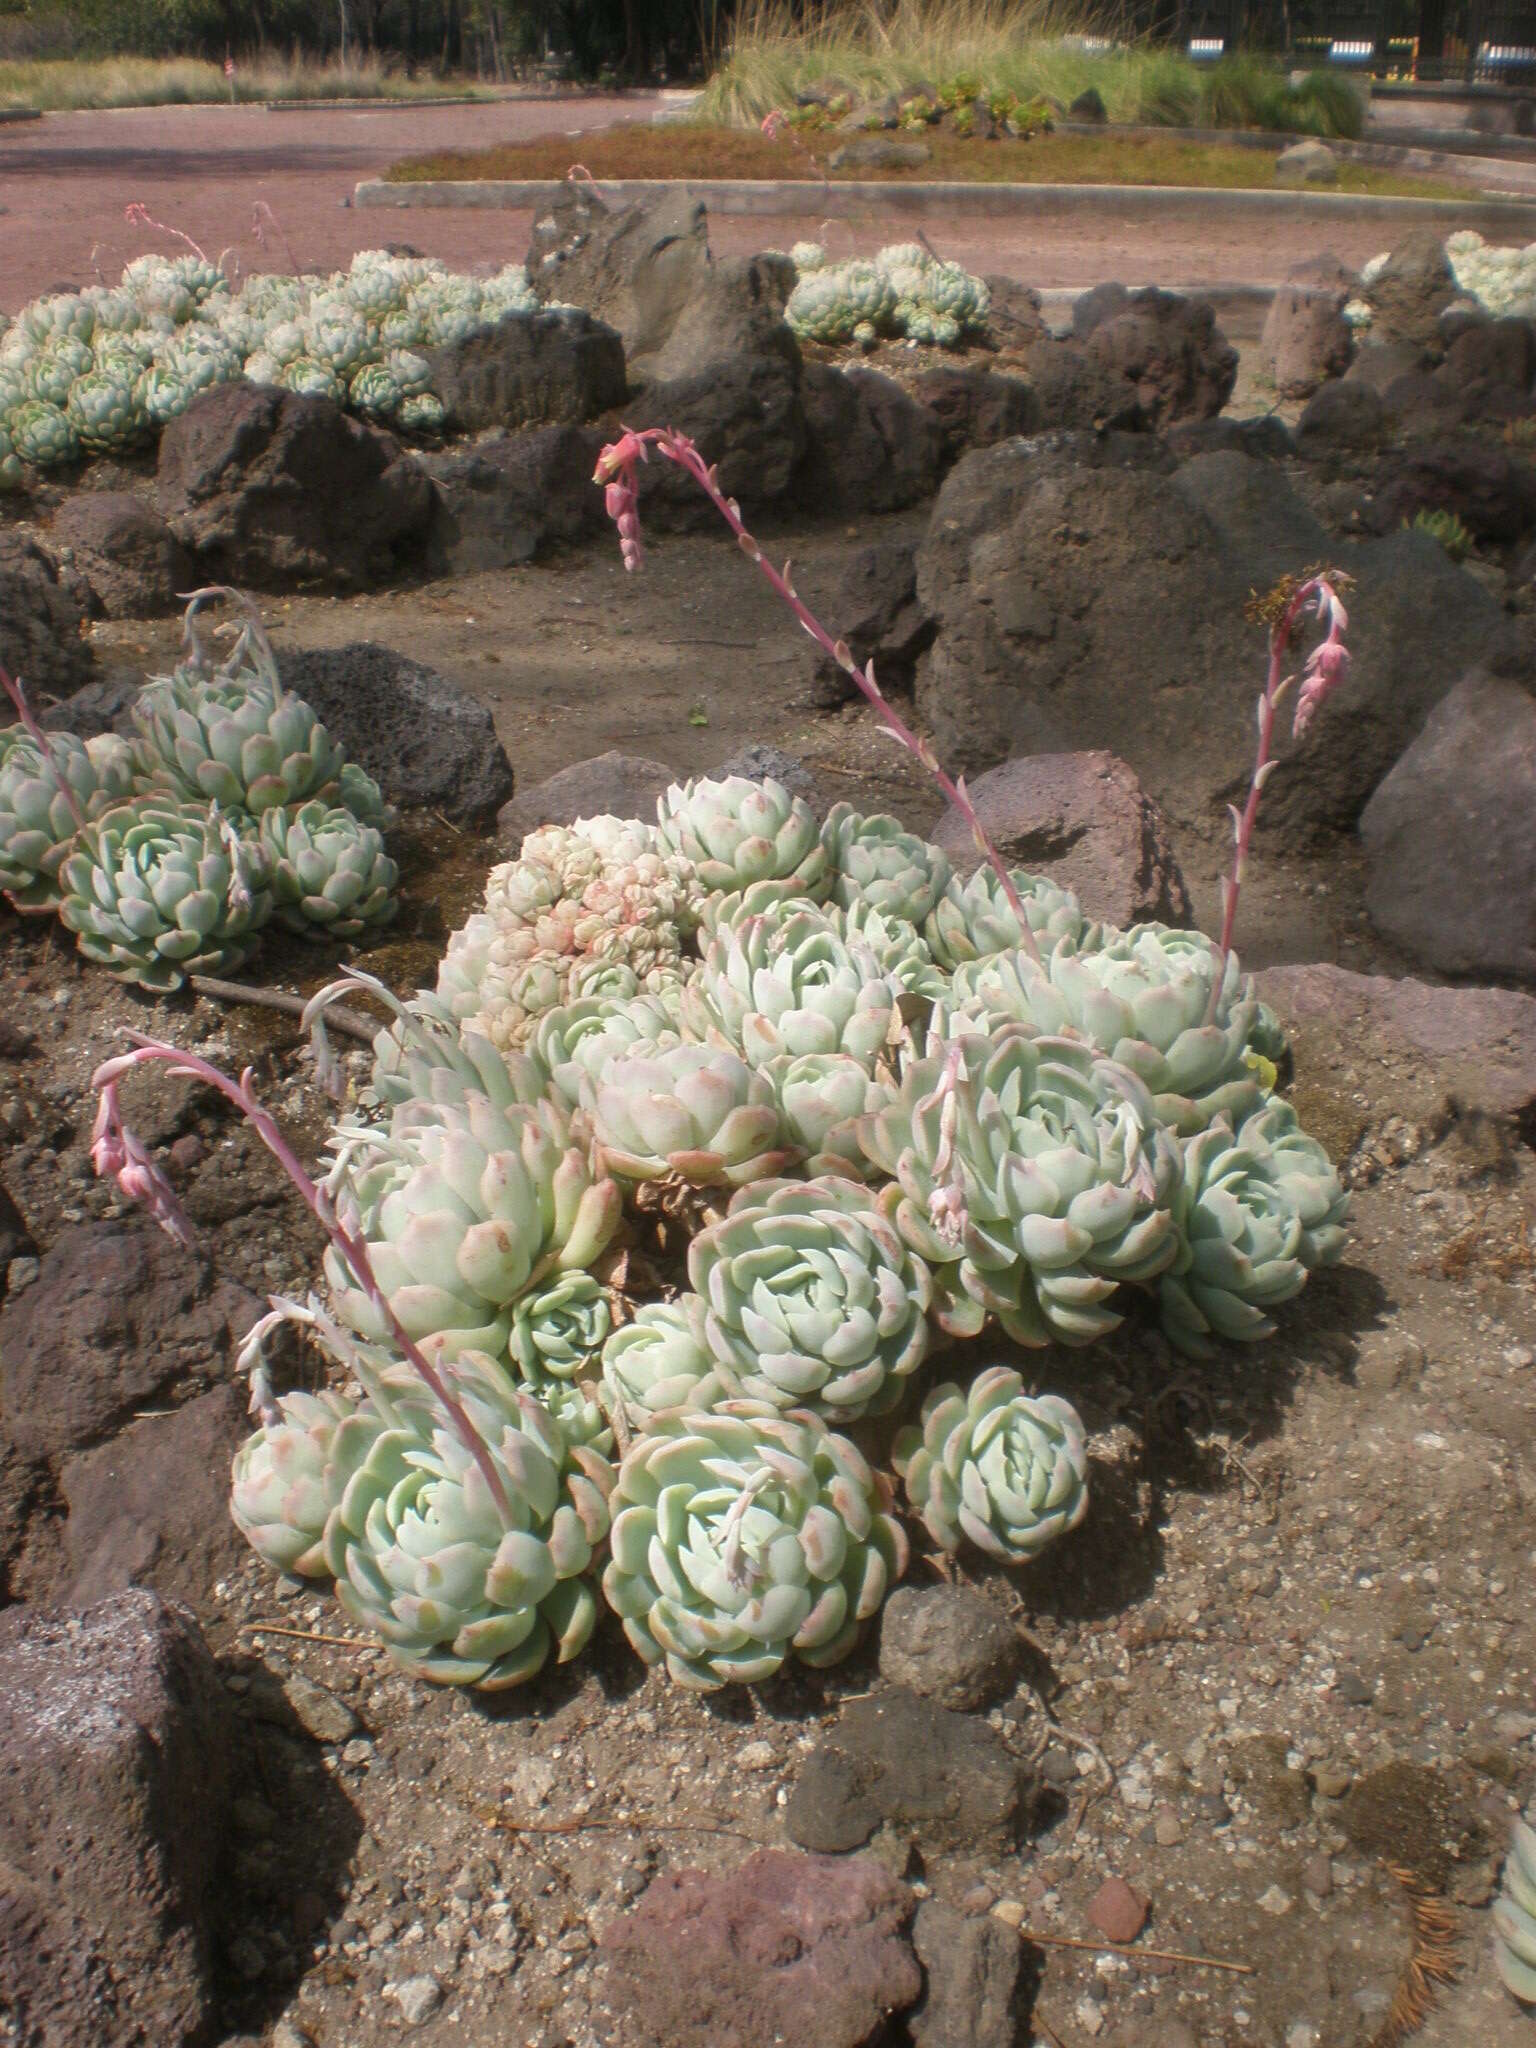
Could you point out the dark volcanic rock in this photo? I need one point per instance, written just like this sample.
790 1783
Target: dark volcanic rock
1306 338
802 1951
1015 319
115 1763
426 742
612 784
132 561
976 406
1451 835
1489 490
634 269
554 368
503 501
876 611
1079 392
1413 290
870 445
896 1758
269 489
878 153
747 415
950 1645
1084 820
117 1314
1342 418
974 1967
40 620
1171 353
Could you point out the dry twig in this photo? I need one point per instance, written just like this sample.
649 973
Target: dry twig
304 1635
351 1022
693 1824
1125 1948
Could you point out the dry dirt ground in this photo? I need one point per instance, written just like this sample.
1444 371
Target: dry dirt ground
65 180
1292 1645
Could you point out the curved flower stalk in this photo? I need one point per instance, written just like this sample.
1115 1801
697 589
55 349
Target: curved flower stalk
49 787
1032 1178
421 1556
774 986
994 1464
1514 1917
661 1361
425 1055
464 1206
977 917
742 1536
330 875
813 1301
698 1113
278 1499
738 834
821 1096
155 891
879 866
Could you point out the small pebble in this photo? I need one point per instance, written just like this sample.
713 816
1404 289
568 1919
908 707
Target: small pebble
1058 1767
21 1273
1116 1911
417 1997
979 1899
1277 1901
756 1756
1167 1829
1010 1912
1330 1782
286 2035
1089 2017
1317 1875
1350 1686
317 1711
357 1752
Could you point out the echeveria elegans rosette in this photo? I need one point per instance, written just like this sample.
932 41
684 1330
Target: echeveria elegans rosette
278 1498
37 821
661 1360
992 1463
697 1113
1031 1176
821 1096
739 834
742 1536
1514 1917
973 918
878 864
787 984
812 1299
236 739
330 875
420 1555
559 1331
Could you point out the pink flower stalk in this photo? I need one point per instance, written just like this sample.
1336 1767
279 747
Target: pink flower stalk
773 123
138 215
118 1154
1328 664
616 471
263 220
18 696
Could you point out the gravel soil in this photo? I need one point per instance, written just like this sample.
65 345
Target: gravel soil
1290 1649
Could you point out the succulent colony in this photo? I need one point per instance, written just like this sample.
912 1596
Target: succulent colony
904 291
101 370
166 854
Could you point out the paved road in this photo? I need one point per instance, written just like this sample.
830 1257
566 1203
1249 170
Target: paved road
65 180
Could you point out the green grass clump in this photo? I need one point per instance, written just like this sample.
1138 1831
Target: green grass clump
59 85
1446 528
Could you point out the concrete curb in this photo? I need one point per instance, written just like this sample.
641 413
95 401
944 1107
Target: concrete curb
804 197
9 114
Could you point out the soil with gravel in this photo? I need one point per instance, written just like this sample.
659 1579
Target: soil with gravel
1290 1650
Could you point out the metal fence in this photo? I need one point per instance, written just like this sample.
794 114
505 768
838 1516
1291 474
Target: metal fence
1472 42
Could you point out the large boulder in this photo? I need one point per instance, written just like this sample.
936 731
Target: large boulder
747 416
634 268
269 489
1451 835
427 743
1078 392
976 406
1306 338
803 1951
735 308
134 564
1413 290
1014 318
1342 420
870 446
116 1764
608 785
554 368
1491 491
1083 820
1046 576
41 616
875 610
1170 352
504 500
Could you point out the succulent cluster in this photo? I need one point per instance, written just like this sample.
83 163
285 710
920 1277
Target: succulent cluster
904 292
1514 1916
102 370
167 854
711 1134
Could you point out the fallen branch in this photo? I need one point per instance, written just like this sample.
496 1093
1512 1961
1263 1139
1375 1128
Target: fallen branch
351 1023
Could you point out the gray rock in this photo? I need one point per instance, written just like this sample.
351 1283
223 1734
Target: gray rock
1491 355
1088 106
613 784
41 617
418 1998
1451 835
976 406
1014 320
1306 163
894 1758
1491 491
113 1319
1266 437
15 1239
104 706
1342 418
634 269
426 742
1171 353
1413 290
1079 392
554 368
973 1995
875 609
318 1712
1101 302
948 1644
803 1951
1306 338
870 445
1086 822
268 489
132 561
760 762
504 501
115 1766
735 308
878 153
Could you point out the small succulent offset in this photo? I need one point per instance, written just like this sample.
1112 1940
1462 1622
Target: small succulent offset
38 822
278 1496
991 1463
880 867
742 1536
330 875
739 833
235 738
1514 1917
661 1360
812 1300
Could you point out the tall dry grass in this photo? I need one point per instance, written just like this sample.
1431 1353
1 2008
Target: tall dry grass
61 85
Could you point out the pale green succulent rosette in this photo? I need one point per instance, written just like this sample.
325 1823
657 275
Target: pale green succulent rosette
821 1096
974 917
898 946
579 1039
37 820
743 1536
1144 998
994 1464
812 1299
1032 1177
661 1361
696 1113
43 435
1306 1176
331 877
420 1555
155 891
1514 1917
465 1206
880 866
278 1499
425 1055
738 834
235 739
558 1332
789 985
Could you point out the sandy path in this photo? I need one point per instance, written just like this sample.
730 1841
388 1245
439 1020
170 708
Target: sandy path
65 180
